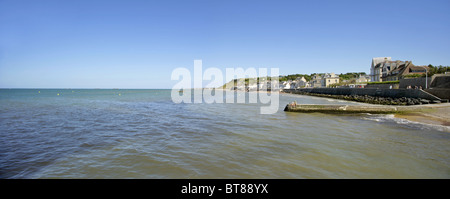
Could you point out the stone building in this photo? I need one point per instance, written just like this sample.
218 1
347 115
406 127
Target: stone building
330 78
316 81
324 80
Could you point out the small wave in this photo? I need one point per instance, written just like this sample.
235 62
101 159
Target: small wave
390 118
86 145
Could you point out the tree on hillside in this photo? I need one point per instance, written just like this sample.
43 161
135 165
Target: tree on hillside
294 76
348 76
437 69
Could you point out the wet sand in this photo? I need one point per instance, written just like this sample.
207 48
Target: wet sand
436 114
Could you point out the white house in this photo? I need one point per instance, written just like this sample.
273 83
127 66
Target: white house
362 79
376 68
301 82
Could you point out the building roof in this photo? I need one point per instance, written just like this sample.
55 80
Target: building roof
413 67
378 60
404 69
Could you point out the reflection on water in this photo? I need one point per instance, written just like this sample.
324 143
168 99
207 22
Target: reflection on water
142 134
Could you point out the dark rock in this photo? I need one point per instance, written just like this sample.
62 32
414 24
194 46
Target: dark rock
424 101
374 99
436 102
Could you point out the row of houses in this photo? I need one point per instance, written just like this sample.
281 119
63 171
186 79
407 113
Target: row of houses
263 85
300 82
384 69
318 80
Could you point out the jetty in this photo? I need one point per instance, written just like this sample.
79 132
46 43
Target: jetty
352 109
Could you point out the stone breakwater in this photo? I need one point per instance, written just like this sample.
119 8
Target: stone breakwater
309 108
374 109
400 101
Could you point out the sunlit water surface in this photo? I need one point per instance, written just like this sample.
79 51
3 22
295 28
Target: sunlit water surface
76 133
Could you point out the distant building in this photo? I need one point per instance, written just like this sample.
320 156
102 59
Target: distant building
330 78
301 82
253 87
376 68
316 81
324 80
287 85
399 71
362 79
383 69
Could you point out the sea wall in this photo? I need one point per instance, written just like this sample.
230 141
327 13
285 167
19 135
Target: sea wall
438 85
393 93
413 82
370 95
443 93
382 86
441 81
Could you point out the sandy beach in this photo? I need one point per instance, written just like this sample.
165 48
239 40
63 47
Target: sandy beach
436 114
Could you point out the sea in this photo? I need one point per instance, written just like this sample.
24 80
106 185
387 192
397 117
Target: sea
139 133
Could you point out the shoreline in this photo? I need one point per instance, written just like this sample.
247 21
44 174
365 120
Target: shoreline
436 114
430 114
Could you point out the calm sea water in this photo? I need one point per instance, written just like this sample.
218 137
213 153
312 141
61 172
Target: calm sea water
77 133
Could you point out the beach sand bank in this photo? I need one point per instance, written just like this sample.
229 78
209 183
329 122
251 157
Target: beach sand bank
435 114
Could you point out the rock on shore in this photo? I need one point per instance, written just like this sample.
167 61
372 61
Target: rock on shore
403 101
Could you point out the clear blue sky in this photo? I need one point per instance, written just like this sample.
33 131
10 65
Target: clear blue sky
137 44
